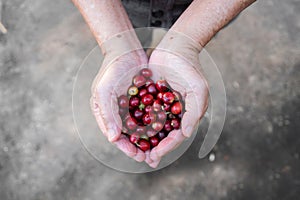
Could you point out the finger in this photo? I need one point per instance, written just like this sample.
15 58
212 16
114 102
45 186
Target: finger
124 145
192 114
108 111
140 156
174 138
195 106
154 164
148 159
196 102
129 149
96 111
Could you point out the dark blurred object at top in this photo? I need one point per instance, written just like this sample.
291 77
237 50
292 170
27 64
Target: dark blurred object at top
157 13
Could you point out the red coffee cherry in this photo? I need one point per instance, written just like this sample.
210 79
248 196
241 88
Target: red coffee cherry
147 99
146 72
176 108
162 85
134 138
154 141
168 97
144 145
139 80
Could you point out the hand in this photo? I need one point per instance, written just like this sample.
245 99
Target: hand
180 70
107 86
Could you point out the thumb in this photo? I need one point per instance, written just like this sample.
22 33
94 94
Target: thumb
107 116
195 106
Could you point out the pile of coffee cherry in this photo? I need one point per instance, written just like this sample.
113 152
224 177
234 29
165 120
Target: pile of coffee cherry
149 111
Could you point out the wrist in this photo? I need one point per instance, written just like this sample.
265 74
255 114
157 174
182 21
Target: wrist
204 18
180 45
123 44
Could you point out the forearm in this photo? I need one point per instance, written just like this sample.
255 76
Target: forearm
106 18
204 18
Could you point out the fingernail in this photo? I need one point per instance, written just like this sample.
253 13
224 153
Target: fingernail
111 135
154 155
154 164
188 131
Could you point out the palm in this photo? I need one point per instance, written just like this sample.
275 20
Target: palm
184 77
111 82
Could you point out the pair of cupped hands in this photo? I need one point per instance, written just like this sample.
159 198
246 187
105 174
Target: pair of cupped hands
175 59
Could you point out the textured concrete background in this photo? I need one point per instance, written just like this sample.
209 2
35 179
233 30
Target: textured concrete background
257 156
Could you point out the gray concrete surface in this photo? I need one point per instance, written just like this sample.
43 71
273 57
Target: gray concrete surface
257 156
